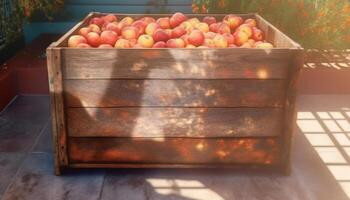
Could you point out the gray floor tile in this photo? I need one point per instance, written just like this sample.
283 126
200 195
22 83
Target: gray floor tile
44 143
36 181
9 164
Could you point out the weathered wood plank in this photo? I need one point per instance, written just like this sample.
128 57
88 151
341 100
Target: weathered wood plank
173 150
187 93
57 108
174 122
290 114
233 63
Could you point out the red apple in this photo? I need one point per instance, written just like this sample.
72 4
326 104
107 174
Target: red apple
159 44
110 18
250 22
98 21
209 20
164 22
223 28
233 21
190 46
74 40
122 43
178 32
229 37
160 35
258 35
84 31
177 19
113 26
214 27
120 27
145 41
140 25
93 39
148 20
130 32
175 43
109 37
196 38
185 39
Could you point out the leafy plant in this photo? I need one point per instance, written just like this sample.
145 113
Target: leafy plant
317 24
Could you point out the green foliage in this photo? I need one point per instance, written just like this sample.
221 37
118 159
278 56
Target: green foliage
317 24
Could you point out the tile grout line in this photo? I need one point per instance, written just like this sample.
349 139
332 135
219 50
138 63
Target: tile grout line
21 164
42 131
102 186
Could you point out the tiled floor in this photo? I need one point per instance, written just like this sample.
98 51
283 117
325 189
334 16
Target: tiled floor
320 163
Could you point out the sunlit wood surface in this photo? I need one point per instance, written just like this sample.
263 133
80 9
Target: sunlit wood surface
320 163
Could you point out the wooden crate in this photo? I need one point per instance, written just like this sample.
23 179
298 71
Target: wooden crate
145 108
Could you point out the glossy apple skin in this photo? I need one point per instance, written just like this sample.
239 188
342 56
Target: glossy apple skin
95 28
151 28
160 35
93 39
109 37
196 38
220 41
145 41
83 45
177 19
141 26
240 38
98 21
233 21
84 31
164 22
110 18
258 35
178 32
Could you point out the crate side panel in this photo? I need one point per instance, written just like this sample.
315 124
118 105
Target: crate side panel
174 122
174 151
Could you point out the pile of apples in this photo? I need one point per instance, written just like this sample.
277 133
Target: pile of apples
176 31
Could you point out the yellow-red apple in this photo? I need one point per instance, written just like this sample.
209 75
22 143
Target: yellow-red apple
246 29
148 20
209 43
110 18
202 27
240 38
74 40
190 46
84 31
83 45
127 20
251 22
113 26
145 41
233 21
141 26
130 32
151 28
210 35
187 26
194 21
95 28
264 45
175 43
223 28
93 39
164 22
105 46
122 43
220 41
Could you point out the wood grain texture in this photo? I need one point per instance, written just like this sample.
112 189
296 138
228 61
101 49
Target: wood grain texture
186 93
58 115
174 122
173 150
234 63
290 114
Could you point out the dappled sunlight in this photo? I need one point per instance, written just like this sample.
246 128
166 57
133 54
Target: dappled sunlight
328 133
327 59
191 189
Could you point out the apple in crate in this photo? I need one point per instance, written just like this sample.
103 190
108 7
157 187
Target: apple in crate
75 40
164 22
196 38
145 41
109 37
160 35
177 19
176 43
